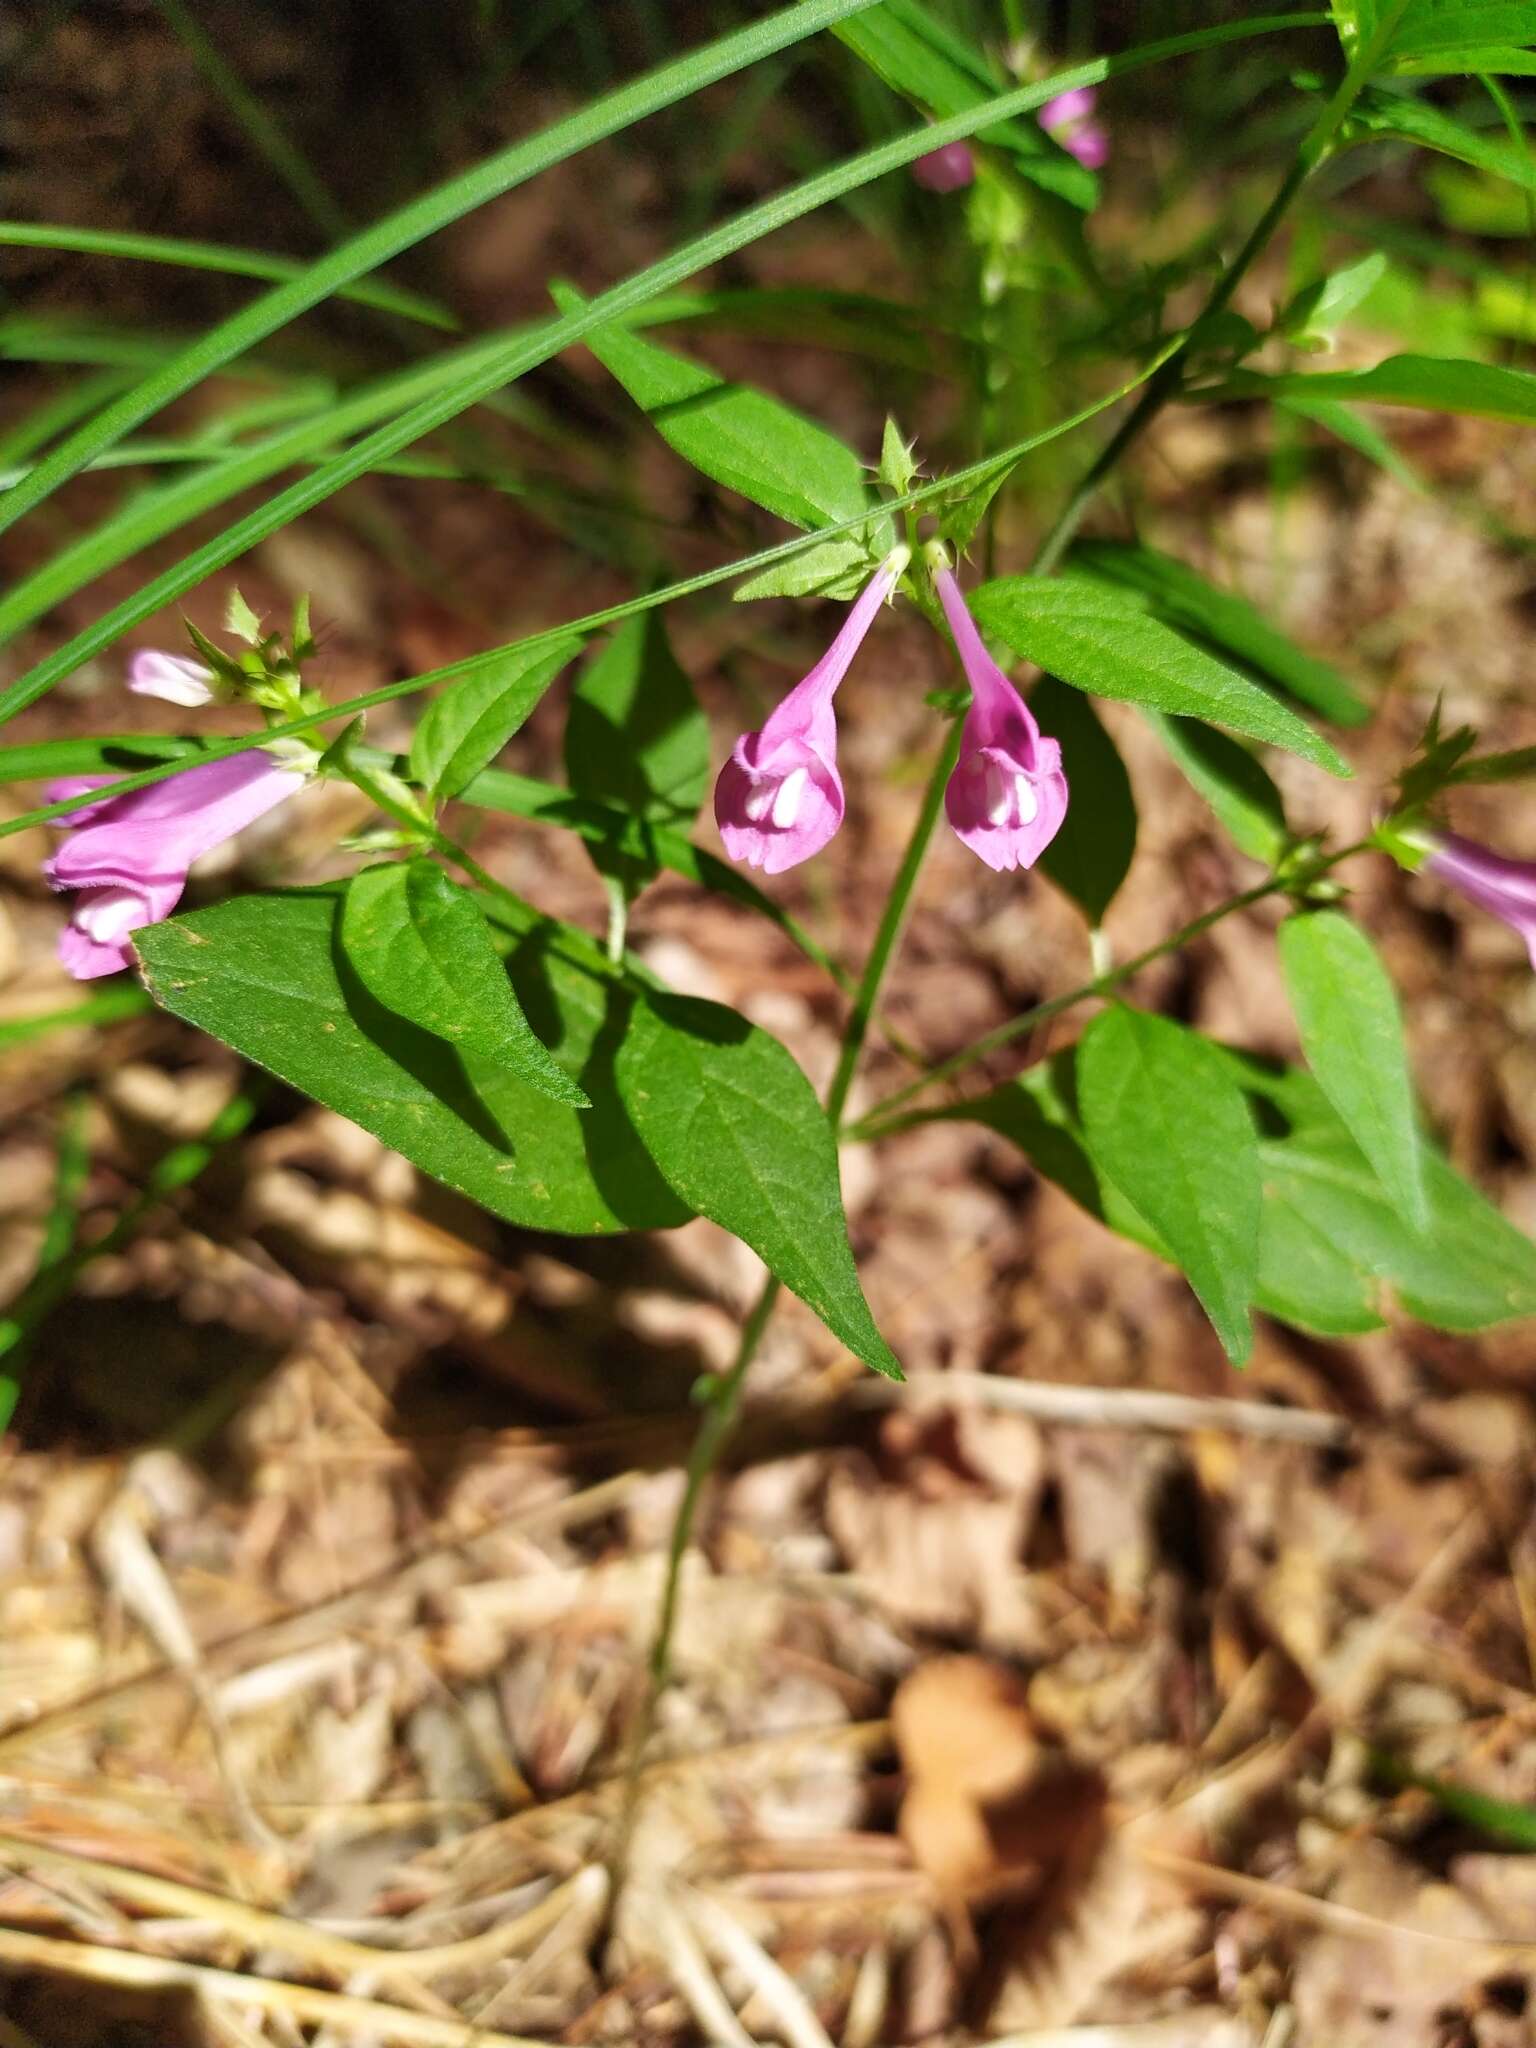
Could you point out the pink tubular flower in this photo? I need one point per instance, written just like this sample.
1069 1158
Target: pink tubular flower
1491 880
1008 795
128 856
949 169
175 677
779 798
1069 117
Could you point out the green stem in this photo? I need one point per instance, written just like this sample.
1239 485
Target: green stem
724 1395
881 1121
1169 376
722 1409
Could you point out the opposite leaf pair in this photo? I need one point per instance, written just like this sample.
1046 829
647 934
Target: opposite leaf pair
779 798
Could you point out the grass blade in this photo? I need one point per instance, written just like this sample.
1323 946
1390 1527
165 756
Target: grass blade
511 360
413 223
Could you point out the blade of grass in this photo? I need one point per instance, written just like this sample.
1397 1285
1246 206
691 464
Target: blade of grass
56 413
434 210
511 360
44 758
220 258
148 517
281 153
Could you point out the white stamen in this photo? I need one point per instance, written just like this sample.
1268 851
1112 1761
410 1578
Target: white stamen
786 803
998 795
1028 802
759 800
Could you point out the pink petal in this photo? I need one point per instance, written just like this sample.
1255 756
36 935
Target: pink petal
158 832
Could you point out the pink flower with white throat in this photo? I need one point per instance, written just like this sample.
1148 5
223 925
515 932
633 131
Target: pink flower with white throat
779 798
1069 118
128 856
1008 795
175 678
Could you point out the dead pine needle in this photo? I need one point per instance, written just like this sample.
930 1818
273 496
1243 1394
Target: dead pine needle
302 2003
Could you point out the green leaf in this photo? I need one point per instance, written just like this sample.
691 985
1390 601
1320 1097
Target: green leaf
1352 1034
266 974
898 467
1396 116
742 438
1091 854
737 1133
1443 35
1464 35
1432 383
420 946
1186 600
1469 1269
1169 1127
1235 785
1331 1243
1357 432
920 58
635 738
464 729
1318 308
838 568
1102 641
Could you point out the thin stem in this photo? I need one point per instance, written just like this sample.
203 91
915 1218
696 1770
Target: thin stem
722 1399
892 923
1167 379
881 1121
724 1395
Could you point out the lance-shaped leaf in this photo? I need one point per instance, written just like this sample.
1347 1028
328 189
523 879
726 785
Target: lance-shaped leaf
1187 600
420 946
466 727
1352 1034
1490 391
1103 641
1332 1245
1233 783
736 1132
741 437
1168 1125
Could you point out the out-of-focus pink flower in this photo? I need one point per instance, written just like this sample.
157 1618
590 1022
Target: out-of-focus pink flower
779 798
175 677
128 856
1505 887
1008 795
949 169
1069 117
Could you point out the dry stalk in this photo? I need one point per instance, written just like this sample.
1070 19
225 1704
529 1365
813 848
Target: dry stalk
259 1929
1131 1408
343 1609
300 2002
1351 1921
